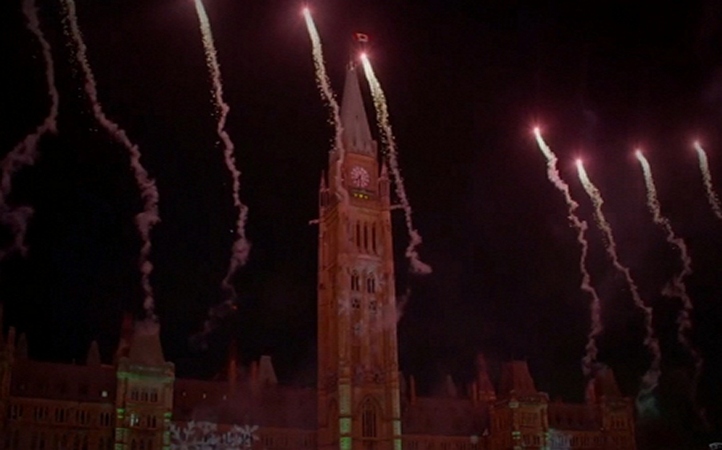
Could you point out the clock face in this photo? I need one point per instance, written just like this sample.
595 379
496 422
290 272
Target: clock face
360 177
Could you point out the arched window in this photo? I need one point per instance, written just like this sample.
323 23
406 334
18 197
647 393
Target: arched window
371 284
355 282
373 238
369 420
358 235
366 237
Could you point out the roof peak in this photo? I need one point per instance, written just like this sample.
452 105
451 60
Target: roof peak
356 132
145 348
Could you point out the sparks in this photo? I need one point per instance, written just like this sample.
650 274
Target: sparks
651 378
382 117
324 86
145 220
596 327
241 246
712 197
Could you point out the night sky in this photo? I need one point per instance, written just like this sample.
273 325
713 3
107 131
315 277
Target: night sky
464 84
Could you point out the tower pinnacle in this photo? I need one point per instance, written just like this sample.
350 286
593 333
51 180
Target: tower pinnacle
356 132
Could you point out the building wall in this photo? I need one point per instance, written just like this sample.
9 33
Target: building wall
62 406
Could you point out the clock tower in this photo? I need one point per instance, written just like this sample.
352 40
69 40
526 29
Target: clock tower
358 383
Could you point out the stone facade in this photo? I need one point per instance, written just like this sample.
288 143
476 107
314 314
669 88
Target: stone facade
361 401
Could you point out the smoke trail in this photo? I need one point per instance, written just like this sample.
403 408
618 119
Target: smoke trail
241 247
596 327
677 287
382 117
651 378
146 219
324 86
25 153
707 179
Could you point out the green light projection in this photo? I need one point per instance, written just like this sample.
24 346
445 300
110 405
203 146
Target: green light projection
345 392
344 425
346 443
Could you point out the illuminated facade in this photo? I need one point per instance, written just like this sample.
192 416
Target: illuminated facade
361 401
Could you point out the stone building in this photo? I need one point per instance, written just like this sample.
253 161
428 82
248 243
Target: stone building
361 400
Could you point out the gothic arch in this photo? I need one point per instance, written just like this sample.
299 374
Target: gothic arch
370 413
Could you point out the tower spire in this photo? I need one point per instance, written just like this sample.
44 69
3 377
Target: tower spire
356 132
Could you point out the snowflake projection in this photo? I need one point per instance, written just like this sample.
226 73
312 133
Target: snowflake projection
359 328
242 437
368 267
344 305
204 436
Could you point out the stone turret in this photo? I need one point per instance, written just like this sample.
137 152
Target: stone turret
484 388
144 399
615 412
521 411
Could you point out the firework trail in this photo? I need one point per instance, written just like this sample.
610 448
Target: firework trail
581 226
382 117
324 86
651 378
241 246
25 153
676 287
707 179
149 217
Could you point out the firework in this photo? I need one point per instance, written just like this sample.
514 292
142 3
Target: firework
382 117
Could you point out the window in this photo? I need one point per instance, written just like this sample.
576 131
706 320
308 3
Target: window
60 415
40 413
373 238
105 419
371 284
16 412
366 237
355 282
369 420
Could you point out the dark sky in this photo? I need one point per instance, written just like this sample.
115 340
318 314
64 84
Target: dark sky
464 86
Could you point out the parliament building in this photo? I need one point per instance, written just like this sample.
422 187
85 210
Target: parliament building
361 400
